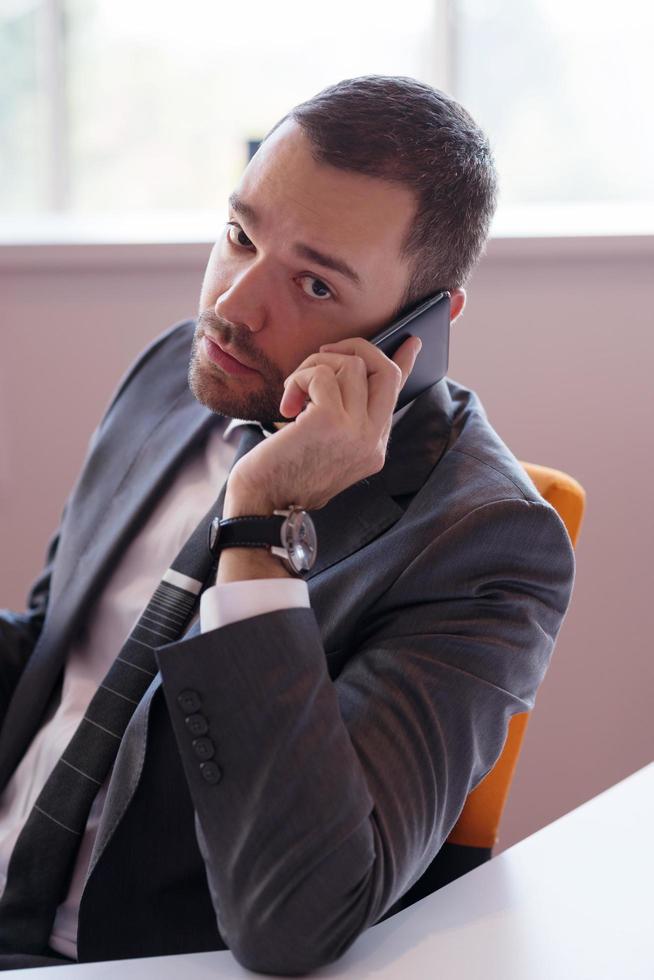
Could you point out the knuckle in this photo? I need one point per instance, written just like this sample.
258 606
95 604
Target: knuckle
378 460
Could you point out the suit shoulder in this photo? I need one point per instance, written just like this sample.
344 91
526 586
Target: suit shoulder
478 472
478 454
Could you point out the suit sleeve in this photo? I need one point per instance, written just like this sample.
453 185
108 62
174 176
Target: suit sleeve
335 795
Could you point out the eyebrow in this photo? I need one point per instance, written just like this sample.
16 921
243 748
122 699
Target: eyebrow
239 206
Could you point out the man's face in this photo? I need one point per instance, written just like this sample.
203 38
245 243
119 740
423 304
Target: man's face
310 256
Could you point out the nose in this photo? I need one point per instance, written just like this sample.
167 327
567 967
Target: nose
244 301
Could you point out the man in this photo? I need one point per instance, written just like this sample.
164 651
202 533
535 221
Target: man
302 752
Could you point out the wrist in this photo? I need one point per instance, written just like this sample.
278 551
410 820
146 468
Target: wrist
240 564
253 521
242 503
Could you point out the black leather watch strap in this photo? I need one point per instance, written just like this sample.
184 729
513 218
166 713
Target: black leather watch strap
250 531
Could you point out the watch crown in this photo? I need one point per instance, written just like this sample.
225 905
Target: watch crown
214 534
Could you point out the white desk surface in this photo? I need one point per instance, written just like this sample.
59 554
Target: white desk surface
571 902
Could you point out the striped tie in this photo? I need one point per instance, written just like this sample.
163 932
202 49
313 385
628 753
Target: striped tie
43 859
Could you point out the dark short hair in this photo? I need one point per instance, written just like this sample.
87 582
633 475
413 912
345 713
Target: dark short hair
400 129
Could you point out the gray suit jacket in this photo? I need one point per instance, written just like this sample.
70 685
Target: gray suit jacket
348 734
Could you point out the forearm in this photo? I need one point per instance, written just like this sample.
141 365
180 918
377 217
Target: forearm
286 832
335 795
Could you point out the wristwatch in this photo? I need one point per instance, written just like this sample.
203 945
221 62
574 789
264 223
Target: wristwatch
289 534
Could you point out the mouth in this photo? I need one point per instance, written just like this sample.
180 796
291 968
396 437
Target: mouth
225 358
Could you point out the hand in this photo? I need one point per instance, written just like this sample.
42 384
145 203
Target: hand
350 389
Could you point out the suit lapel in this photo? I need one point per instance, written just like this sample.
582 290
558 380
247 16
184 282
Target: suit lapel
130 464
126 773
132 459
347 523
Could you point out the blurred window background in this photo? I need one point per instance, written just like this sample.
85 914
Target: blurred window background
148 110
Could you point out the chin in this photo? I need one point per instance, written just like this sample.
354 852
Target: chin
212 390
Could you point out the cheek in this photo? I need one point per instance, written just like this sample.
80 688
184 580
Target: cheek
311 334
209 280
217 276
308 326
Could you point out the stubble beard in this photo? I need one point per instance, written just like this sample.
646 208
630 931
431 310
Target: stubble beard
234 396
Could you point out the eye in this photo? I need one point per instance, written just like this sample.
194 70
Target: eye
315 288
237 236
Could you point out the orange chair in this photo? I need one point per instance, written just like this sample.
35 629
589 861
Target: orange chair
476 831
479 821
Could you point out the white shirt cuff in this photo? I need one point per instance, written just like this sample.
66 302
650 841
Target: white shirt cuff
230 602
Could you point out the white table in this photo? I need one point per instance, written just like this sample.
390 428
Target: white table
571 902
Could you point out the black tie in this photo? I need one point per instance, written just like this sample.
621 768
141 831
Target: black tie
43 858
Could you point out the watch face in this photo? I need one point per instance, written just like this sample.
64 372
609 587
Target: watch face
299 538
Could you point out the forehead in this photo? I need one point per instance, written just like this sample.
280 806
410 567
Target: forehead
297 198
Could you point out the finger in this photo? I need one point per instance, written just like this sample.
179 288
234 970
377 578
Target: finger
383 379
405 356
371 354
384 382
351 375
318 384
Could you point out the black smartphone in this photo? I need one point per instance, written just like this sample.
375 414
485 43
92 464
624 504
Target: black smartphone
429 320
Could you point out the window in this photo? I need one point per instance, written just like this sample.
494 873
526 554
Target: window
116 107
564 91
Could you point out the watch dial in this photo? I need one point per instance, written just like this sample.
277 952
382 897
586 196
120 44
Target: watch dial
301 540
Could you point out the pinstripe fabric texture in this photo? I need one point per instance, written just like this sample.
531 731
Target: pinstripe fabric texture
43 858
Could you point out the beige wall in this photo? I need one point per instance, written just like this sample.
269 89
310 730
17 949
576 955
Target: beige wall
557 340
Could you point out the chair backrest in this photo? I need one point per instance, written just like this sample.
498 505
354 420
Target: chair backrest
479 820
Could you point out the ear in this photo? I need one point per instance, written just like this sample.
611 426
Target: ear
457 303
